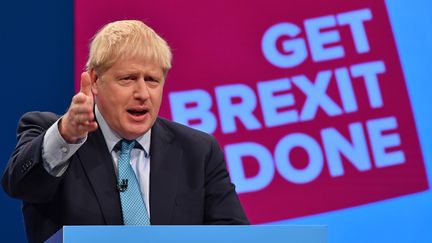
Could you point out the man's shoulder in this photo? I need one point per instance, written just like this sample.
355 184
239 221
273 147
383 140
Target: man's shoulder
40 118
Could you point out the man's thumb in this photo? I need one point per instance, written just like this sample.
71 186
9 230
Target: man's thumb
85 83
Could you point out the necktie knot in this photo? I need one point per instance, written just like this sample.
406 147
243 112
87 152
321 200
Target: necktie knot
127 146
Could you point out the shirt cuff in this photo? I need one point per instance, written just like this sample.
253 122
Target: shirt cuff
56 152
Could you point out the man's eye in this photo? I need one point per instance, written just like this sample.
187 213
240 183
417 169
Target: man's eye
150 79
127 78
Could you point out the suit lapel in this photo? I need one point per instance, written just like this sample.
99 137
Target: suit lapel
98 165
165 157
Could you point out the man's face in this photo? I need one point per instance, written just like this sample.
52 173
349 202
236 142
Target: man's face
129 95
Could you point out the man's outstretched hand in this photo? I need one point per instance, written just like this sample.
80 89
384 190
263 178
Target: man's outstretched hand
79 120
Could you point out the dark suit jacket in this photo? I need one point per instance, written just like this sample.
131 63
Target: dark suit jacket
189 183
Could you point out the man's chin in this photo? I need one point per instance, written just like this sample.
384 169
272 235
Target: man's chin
136 133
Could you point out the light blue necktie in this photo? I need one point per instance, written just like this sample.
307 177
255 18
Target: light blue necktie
133 206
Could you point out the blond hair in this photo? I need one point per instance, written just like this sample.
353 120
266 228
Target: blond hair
127 39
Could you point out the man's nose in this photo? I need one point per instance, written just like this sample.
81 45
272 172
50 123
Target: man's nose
141 90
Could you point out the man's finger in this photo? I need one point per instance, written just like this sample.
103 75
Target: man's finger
85 84
91 126
84 118
79 98
86 127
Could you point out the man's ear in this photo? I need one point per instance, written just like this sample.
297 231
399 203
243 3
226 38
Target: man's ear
94 80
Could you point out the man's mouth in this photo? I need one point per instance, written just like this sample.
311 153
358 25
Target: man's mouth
137 112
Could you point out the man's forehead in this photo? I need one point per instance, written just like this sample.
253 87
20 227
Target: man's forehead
136 65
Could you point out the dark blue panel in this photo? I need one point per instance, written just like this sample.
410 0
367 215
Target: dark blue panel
36 58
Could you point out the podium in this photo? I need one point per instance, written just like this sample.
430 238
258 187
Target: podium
191 234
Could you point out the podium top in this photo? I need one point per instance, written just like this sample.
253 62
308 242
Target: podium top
178 234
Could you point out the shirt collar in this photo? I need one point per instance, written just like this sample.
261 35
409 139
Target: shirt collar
112 138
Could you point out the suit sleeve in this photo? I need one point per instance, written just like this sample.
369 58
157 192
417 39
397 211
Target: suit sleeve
222 205
25 176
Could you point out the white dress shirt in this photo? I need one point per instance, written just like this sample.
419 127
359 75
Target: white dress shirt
56 153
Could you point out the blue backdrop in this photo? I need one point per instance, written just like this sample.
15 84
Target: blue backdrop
36 44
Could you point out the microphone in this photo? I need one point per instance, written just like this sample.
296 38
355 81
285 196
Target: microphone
123 185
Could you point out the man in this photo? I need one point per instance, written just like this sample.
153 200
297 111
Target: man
110 159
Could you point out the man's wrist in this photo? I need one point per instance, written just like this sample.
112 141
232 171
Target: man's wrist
70 139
